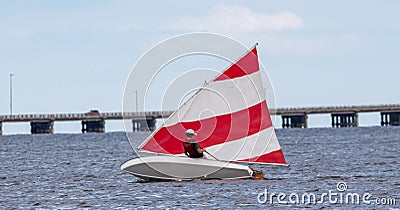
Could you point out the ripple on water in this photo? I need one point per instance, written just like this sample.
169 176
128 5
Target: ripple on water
83 171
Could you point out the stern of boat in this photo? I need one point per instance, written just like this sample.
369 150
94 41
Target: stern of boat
257 174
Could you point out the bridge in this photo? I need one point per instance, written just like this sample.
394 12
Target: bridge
342 116
91 122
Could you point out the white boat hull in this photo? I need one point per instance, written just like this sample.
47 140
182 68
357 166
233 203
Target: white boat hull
182 168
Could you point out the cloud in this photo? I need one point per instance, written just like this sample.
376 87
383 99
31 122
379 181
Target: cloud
224 18
278 33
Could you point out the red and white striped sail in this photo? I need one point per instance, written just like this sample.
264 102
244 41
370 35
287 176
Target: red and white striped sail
230 116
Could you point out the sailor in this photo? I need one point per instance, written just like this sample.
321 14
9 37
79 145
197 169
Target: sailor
191 147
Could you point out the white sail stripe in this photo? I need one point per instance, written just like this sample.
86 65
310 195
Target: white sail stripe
255 145
221 97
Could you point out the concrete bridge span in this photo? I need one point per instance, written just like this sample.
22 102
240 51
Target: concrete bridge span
341 116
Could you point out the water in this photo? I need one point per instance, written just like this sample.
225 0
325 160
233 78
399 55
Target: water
82 171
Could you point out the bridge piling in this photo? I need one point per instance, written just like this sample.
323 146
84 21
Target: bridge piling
390 118
90 126
42 126
1 128
294 121
137 125
148 124
384 119
340 120
151 123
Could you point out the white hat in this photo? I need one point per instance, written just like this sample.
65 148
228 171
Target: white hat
190 132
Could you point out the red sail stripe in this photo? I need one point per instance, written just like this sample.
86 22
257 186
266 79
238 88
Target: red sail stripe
246 65
212 131
275 157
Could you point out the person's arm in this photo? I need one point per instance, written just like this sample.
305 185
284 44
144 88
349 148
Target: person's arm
199 149
187 154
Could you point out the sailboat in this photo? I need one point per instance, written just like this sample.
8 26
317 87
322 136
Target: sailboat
230 115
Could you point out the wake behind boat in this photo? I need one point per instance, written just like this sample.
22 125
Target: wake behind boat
237 129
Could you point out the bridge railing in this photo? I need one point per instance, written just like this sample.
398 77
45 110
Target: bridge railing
106 115
157 114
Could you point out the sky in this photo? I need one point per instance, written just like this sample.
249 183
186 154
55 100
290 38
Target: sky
73 56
